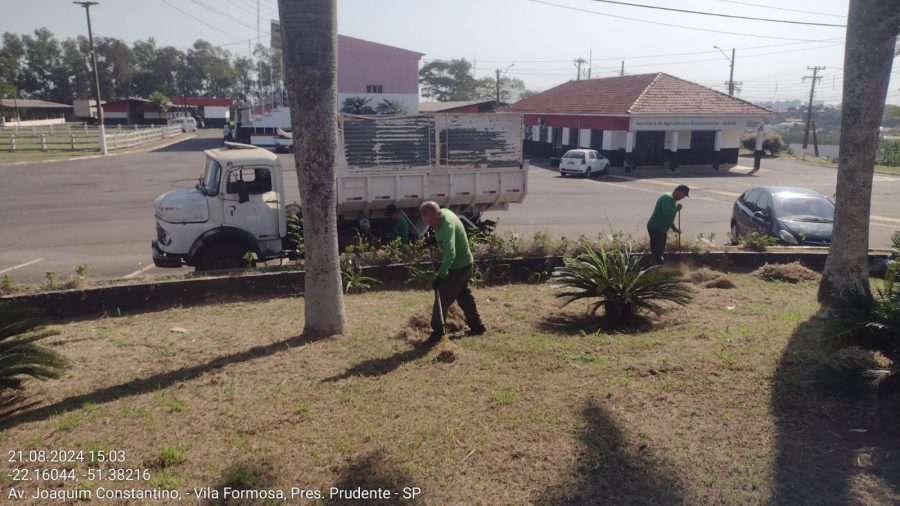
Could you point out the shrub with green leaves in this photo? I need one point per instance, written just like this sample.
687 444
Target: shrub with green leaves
756 241
21 355
622 287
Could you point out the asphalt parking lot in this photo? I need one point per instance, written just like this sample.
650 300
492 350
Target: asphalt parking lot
99 211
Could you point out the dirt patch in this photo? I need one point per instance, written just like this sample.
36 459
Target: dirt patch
789 273
709 278
419 325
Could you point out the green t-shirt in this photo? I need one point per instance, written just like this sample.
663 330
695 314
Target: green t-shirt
663 217
451 237
401 230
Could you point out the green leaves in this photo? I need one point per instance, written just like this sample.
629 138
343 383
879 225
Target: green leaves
623 288
20 354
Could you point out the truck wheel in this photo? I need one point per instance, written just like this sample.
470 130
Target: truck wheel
222 255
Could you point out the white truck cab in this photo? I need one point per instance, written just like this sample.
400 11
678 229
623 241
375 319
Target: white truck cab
235 209
470 163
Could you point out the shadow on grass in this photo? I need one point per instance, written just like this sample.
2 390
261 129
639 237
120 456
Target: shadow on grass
381 366
15 416
830 438
567 323
607 471
373 472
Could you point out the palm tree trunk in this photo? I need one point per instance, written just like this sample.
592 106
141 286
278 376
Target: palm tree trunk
872 27
309 39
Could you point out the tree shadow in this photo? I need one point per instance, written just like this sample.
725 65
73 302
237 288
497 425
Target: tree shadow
15 416
567 323
830 436
607 471
381 366
372 471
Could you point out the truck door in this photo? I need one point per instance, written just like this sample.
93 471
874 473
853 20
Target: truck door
259 214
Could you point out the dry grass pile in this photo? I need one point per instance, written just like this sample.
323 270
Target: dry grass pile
419 325
711 279
790 273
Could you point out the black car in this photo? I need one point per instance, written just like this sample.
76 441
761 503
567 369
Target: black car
795 216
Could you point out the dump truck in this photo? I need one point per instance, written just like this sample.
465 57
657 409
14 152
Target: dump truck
237 213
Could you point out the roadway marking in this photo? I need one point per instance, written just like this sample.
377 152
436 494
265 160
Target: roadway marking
884 218
138 272
26 264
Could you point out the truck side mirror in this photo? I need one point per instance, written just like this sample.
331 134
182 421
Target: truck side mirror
243 194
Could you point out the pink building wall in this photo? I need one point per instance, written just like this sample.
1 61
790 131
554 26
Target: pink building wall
361 63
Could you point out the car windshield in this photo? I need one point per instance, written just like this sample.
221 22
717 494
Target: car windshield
574 155
794 207
209 183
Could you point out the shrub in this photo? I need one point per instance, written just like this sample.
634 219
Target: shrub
756 241
21 356
623 288
772 142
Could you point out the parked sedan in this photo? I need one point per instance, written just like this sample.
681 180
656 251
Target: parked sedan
795 216
583 162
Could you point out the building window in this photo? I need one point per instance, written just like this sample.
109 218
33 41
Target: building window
374 88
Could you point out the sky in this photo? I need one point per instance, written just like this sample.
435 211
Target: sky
534 40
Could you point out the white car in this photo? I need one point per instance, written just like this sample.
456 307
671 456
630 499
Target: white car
187 124
584 162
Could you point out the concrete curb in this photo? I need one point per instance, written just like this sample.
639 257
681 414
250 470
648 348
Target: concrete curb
135 298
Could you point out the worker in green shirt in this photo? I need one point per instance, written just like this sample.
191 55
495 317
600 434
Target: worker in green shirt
663 219
399 225
451 280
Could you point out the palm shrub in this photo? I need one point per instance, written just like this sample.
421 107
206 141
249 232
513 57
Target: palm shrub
21 355
616 278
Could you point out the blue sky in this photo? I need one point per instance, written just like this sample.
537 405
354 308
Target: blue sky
540 39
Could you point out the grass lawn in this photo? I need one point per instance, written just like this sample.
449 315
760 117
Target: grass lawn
712 404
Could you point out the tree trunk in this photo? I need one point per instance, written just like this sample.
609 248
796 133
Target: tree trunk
309 39
872 27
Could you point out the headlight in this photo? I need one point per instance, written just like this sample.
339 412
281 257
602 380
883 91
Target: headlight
162 236
787 237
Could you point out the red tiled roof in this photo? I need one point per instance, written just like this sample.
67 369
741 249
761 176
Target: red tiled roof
642 94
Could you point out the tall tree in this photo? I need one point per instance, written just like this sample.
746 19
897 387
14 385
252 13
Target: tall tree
309 38
872 27
445 80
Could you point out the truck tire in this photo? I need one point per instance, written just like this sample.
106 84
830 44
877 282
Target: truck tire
222 255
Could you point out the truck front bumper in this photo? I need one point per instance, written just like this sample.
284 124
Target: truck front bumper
163 259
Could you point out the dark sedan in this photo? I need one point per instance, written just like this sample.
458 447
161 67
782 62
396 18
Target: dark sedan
794 216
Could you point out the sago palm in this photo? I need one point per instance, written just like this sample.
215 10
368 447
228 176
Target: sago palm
21 355
622 286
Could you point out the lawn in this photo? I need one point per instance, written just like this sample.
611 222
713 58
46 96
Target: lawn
713 403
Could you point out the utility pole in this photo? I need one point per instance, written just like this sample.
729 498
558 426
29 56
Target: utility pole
812 91
578 63
590 62
622 72
730 82
498 88
100 119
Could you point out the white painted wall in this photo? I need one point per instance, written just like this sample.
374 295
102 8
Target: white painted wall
584 138
684 139
731 139
535 133
565 136
614 139
215 111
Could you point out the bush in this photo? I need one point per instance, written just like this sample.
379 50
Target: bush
20 354
772 142
756 241
616 278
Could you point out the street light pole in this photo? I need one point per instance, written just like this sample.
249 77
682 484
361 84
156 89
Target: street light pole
102 128
731 74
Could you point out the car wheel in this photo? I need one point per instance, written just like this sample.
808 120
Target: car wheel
222 255
587 173
562 174
735 234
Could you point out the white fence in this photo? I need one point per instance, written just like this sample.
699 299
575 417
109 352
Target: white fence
82 137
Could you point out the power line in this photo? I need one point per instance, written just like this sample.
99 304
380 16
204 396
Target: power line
195 18
666 24
719 14
784 9
224 15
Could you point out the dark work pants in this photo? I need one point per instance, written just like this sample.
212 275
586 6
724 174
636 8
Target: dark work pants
455 288
657 245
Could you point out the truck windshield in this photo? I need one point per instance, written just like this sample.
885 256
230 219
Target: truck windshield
209 184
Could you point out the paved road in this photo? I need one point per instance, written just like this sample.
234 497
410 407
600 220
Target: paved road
623 202
99 211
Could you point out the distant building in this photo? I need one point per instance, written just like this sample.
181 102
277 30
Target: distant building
210 112
33 111
370 70
214 112
647 119
460 106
